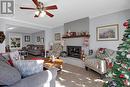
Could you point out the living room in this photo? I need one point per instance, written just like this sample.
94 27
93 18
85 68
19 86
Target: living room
77 32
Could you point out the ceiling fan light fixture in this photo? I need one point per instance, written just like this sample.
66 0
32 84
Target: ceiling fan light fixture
40 9
36 12
39 14
42 14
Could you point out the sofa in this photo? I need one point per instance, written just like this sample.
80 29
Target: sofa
10 76
35 49
101 60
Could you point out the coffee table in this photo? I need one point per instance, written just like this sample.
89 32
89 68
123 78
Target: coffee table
58 63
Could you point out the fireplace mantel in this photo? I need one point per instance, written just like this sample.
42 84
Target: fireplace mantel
78 36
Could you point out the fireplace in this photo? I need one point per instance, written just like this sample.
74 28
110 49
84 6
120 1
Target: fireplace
74 51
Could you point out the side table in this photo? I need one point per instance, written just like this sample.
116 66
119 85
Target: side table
23 53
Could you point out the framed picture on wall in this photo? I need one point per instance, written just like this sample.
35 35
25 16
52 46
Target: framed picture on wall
107 33
27 38
57 36
15 42
38 39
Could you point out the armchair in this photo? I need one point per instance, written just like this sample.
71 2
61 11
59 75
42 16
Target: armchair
100 60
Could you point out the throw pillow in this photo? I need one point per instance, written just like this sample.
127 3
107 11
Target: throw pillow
5 58
8 74
29 67
15 56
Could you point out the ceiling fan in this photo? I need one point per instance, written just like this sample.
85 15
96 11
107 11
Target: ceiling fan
41 10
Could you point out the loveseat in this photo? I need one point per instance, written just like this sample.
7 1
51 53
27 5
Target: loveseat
100 60
35 49
11 76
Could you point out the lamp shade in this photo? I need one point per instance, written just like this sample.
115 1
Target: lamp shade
2 36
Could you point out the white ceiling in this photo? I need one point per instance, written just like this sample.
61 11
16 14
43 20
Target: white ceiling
69 10
20 29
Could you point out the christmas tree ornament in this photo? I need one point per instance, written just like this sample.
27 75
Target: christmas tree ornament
126 24
126 82
124 65
122 76
118 63
119 69
114 75
110 65
128 68
101 50
126 76
128 56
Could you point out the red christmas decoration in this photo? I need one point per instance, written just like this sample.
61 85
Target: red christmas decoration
129 69
126 24
86 41
122 76
101 50
110 65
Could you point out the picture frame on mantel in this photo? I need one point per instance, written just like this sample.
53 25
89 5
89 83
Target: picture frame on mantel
107 33
57 36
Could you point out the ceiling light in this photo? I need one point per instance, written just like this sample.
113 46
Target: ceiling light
42 14
11 28
37 12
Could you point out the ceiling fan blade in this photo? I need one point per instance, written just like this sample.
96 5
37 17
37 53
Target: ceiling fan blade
51 7
49 14
28 8
36 3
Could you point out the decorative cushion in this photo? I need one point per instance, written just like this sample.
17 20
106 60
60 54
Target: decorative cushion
29 67
8 74
6 58
14 56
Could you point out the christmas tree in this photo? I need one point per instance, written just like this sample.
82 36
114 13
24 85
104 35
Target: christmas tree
120 69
